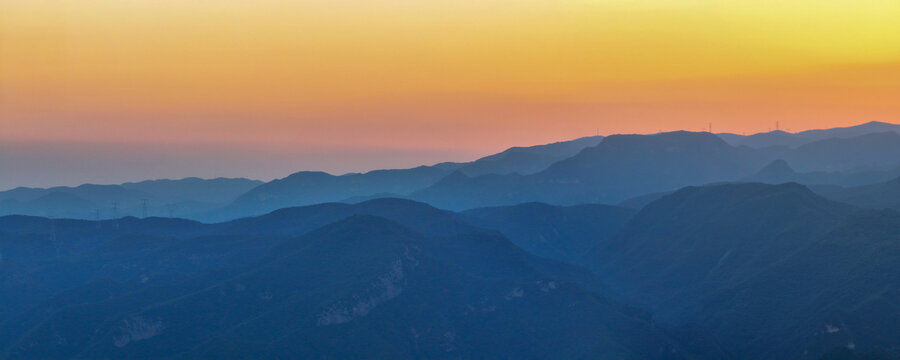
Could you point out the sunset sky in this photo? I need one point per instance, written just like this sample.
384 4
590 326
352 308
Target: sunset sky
114 90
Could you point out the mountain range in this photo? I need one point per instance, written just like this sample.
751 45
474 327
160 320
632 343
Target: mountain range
714 250
305 188
793 140
588 170
779 171
770 271
729 271
186 197
426 285
626 166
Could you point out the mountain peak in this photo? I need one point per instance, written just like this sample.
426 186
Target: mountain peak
674 138
878 123
308 175
702 202
776 172
454 177
779 166
355 232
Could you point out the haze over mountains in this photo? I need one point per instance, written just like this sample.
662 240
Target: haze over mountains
446 286
397 179
587 170
714 251
625 166
185 198
761 268
792 140
722 271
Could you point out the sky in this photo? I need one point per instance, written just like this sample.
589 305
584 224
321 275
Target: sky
116 90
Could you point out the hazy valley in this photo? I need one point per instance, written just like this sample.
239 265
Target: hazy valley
720 247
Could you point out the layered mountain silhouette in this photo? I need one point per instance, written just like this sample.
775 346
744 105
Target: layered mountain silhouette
721 217
875 196
839 291
770 271
185 197
779 171
776 172
305 188
865 152
622 167
729 271
564 233
785 246
588 170
527 160
360 286
310 187
792 140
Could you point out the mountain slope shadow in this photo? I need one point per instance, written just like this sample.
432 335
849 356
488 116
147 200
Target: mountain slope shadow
362 287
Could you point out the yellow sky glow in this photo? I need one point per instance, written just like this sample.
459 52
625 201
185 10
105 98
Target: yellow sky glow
475 74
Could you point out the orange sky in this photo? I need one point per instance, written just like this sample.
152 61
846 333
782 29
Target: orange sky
464 77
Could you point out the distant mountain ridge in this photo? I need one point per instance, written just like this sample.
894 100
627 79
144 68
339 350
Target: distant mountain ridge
619 167
223 199
564 233
627 166
883 195
779 171
351 285
770 271
793 140
728 271
586 170
308 187
528 160
312 187
184 197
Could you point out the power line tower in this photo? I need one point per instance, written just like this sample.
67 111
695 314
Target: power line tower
144 208
171 208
